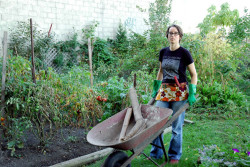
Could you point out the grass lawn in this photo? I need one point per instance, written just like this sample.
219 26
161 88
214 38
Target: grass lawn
226 134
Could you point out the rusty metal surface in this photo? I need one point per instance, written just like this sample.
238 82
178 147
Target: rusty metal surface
107 132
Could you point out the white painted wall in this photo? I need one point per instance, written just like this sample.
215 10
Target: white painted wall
66 14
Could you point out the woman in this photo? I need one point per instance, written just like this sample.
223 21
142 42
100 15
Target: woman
174 92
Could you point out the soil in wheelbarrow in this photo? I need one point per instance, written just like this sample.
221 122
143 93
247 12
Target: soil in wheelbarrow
68 143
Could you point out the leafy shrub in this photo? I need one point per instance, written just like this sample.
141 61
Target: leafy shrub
115 90
25 99
240 29
105 71
55 100
20 42
216 93
137 42
221 100
69 52
102 53
195 44
76 100
121 42
215 52
147 58
144 83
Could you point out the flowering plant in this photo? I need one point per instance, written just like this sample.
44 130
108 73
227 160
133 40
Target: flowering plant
213 156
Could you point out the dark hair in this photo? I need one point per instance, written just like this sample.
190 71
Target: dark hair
179 29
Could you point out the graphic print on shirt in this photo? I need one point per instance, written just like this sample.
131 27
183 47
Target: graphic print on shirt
170 66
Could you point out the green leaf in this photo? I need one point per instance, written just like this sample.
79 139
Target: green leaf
20 145
11 144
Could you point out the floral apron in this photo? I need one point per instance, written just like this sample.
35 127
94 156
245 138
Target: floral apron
171 92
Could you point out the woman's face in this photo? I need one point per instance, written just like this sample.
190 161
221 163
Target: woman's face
173 36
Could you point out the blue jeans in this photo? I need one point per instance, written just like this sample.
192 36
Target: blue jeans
175 147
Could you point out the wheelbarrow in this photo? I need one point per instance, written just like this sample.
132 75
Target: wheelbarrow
107 133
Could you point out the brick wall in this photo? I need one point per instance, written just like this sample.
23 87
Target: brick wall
66 14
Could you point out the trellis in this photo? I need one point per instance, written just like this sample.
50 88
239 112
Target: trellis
50 56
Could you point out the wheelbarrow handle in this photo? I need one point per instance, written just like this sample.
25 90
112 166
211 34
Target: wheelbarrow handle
151 102
147 141
175 116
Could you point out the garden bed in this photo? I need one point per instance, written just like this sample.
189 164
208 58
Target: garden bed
68 143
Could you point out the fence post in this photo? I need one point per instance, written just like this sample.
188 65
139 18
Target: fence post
2 112
90 60
32 53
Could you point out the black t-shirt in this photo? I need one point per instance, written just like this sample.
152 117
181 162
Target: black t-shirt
174 63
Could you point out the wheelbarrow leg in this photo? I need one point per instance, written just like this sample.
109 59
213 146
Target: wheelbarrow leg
150 159
163 148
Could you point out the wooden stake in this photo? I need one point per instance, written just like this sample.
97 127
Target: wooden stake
3 74
32 53
90 60
2 112
50 29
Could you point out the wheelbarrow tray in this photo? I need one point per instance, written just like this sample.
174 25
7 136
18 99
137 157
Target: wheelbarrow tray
107 133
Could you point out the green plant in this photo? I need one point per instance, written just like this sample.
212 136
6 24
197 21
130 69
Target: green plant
102 53
213 156
26 99
195 44
115 90
240 29
121 42
159 12
225 17
72 139
76 100
218 100
42 111
137 42
218 19
105 71
158 21
20 42
89 31
68 52
207 25
215 59
144 83
16 130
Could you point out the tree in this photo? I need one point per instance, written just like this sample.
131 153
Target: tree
207 25
225 17
214 20
158 20
240 29
121 41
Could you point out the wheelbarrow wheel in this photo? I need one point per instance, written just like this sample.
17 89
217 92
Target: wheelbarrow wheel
116 159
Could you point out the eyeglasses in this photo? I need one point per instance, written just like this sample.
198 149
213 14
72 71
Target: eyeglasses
173 33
